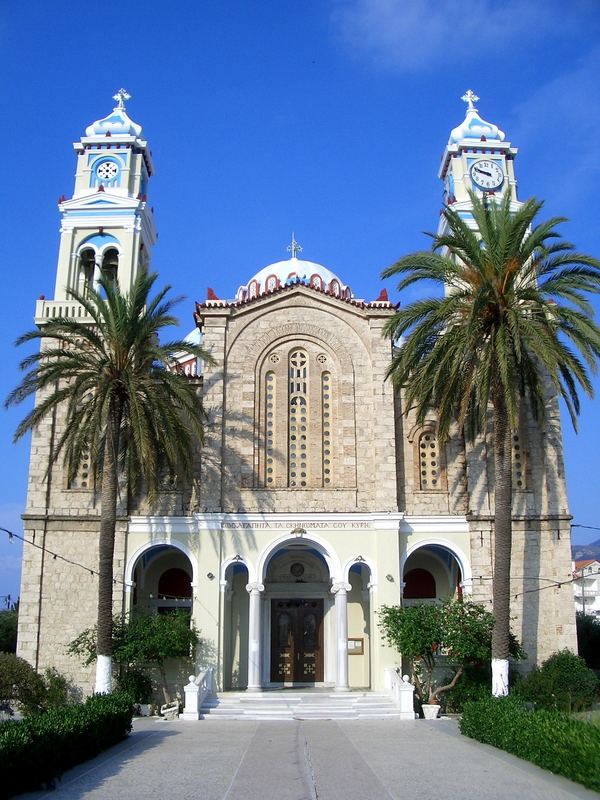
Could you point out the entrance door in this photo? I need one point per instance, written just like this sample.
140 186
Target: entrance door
296 641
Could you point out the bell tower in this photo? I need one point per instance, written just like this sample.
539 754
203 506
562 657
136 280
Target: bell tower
106 226
477 158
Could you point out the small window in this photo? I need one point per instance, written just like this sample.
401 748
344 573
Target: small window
429 461
334 288
271 283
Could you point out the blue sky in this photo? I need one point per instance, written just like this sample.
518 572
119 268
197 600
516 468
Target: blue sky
327 118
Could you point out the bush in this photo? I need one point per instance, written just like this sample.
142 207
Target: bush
475 684
8 629
562 683
588 639
20 683
60 691
551 739
137 684
37 750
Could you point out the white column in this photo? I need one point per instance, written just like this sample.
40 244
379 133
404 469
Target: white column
340 590
254 590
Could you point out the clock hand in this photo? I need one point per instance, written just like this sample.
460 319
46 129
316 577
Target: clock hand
483 172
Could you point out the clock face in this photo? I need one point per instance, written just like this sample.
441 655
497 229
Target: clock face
486 174
106 170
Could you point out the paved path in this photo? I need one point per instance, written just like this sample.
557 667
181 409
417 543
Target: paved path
307 760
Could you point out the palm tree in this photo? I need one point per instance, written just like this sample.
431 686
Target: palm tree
513 318
128 408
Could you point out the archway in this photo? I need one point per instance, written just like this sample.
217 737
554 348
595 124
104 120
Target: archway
359 624
297 601
162 579
235 625
431 573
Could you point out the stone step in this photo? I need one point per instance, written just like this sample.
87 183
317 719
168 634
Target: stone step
281 705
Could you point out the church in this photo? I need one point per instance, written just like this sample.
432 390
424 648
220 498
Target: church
316 498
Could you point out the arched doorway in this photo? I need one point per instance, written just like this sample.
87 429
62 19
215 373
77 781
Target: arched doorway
359 625
297 605
235 621
431 573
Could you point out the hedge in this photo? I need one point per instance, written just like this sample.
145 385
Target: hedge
39 749
551 739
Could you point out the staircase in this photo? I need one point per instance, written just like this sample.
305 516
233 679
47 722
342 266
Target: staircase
299 704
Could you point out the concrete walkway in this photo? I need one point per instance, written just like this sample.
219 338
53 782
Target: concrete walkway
307 760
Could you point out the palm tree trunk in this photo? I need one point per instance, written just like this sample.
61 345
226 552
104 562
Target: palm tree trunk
106 548
502 544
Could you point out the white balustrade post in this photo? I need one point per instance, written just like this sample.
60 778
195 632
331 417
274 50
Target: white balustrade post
254 590
191 710
340 590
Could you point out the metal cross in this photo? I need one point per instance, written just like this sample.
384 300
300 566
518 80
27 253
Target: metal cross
470 98
294 248
120 97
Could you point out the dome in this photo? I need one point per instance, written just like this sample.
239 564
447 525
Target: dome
473 126
117 123
293 270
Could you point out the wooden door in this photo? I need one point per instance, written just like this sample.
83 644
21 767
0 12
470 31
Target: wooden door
296 641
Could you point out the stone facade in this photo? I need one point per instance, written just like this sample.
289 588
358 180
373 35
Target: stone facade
316 489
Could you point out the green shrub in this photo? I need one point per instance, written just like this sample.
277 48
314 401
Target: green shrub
475 684
60 691
562 683
551 739
20 683
38 749
137 684
588 639
9 618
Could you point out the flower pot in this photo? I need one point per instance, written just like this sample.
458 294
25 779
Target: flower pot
431 710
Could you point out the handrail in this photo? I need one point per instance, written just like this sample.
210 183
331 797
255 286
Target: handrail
198 688
401 690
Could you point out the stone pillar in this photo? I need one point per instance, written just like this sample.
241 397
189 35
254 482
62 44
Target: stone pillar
340 590
254 590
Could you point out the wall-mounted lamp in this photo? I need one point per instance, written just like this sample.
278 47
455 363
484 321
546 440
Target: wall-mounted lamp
210 576
389 578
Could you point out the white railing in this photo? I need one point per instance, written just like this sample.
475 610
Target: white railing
46 310
402 692
196 691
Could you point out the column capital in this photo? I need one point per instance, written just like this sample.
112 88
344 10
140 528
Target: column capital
255 587
342 587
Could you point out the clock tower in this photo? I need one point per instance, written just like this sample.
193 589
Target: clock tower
477 158
106 227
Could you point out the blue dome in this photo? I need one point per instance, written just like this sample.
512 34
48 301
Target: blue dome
473 127
117 123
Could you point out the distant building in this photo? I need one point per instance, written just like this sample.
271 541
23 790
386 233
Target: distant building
586 586
317 497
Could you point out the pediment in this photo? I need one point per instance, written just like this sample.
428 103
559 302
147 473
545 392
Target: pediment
100 200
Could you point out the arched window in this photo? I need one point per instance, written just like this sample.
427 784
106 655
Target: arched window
326 406
298 469
429 461
519 463
252 289
271 283
110 264
316 281
419 584
86 267
270 385
334 288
